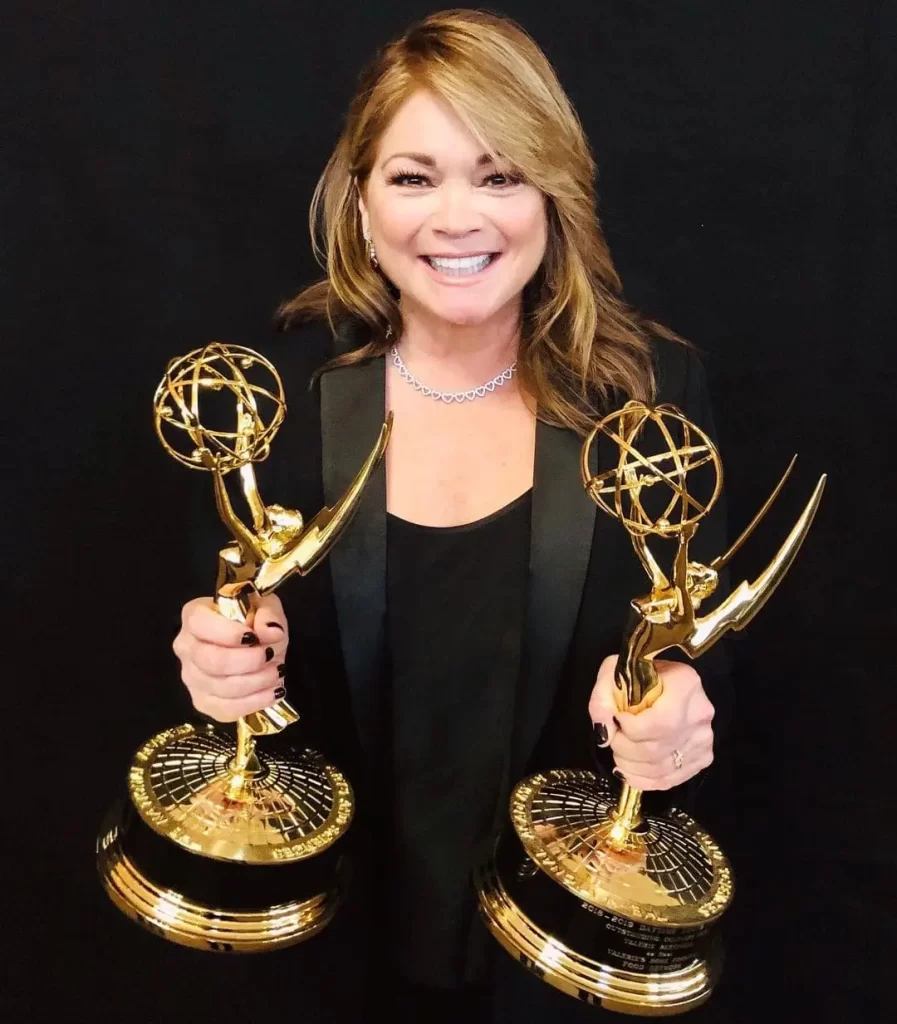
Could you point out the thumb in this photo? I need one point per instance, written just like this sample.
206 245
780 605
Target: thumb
269 622
602 705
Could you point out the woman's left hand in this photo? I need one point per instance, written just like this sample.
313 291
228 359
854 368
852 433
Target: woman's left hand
667 743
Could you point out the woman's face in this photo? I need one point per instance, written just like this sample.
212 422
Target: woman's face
458 237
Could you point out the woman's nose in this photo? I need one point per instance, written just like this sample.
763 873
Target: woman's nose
456 212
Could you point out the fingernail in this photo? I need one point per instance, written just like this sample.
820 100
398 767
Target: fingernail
269 653
249 640
282 669
618 775
616 721
599 733
281 691
274 625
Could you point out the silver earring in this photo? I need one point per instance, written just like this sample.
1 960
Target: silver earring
372 252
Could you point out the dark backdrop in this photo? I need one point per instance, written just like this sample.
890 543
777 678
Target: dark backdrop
157 165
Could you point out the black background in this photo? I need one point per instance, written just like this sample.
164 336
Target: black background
157 165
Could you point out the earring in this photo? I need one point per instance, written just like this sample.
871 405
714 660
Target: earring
372 252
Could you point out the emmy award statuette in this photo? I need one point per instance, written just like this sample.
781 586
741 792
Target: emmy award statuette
220 846
605 903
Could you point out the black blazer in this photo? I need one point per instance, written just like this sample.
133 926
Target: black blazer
583 574
583 571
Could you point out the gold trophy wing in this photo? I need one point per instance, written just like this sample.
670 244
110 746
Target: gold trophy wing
308 550
740 607
320 535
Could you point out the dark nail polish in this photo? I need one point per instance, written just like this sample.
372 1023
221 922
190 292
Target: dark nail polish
618 775
281 691
599 732
269 653
274 625
616 721
282 669
249 640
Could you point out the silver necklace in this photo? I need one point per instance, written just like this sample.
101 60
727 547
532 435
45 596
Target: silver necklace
451 396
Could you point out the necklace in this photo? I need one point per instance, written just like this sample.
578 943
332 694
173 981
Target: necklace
451 396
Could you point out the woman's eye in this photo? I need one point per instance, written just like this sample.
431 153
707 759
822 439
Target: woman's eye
406 178
500 180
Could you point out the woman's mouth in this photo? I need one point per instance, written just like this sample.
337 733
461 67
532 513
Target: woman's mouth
461 266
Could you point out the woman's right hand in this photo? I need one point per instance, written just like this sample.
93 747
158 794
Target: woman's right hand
232 669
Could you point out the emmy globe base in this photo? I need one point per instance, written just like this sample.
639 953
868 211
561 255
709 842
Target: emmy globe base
231 870
632 933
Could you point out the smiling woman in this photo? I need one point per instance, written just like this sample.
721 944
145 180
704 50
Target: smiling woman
461 142
469 622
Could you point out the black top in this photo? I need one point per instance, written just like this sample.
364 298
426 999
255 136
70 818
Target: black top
456 600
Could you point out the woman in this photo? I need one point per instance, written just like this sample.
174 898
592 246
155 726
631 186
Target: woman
455 642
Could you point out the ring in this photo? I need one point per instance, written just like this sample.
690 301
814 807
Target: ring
677 759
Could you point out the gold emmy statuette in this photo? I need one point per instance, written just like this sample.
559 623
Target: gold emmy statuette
220 846
608 904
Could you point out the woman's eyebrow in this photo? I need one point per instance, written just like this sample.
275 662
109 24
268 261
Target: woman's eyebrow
429 161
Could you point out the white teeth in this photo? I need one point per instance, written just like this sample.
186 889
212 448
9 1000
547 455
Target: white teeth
461 264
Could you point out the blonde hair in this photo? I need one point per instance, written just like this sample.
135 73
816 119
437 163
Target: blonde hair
580 342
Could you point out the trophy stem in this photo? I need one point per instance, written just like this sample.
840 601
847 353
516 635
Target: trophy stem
629 806
245 763
627 819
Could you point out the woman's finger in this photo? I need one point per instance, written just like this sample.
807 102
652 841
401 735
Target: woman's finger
645 751
661 751
602 704
223 709
681 703
202 620
234 661
231 687
270 623
663 776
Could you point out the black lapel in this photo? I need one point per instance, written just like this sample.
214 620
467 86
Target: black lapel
563 520
352 412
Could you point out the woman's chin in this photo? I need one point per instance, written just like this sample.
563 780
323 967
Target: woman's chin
463 315
462 310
